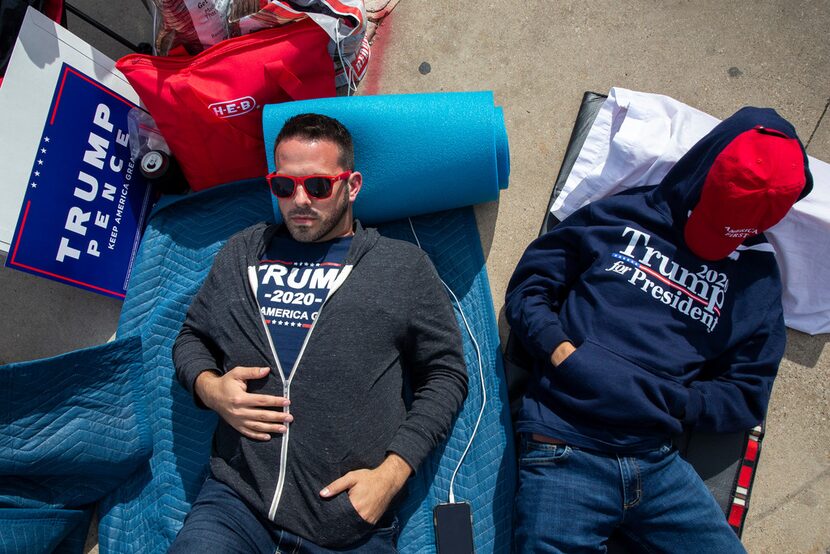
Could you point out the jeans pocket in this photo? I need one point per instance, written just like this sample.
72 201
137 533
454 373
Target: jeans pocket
392 529
542 453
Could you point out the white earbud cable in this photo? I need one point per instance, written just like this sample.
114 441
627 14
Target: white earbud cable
480 372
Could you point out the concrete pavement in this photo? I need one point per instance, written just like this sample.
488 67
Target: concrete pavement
539 56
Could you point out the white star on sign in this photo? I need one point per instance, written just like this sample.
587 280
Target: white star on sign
40 162
45 139
37 173
34 185
43 150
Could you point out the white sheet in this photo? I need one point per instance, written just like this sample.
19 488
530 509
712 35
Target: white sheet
637 137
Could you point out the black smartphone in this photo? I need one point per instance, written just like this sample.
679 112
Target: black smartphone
453 528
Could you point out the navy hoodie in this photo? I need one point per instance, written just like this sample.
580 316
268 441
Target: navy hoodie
665 339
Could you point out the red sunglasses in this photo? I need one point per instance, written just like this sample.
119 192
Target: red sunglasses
316 186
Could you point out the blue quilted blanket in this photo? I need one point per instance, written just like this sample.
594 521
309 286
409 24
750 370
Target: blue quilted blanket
73 428
146 512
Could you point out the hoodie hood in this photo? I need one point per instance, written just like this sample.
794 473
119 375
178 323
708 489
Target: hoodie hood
680 190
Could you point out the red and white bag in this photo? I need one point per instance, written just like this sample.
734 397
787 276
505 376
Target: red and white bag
197 24
343 20
192 24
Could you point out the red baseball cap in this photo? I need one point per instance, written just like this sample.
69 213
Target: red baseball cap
751 186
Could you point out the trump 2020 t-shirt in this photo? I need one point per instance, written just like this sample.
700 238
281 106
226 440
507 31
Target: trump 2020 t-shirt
294 280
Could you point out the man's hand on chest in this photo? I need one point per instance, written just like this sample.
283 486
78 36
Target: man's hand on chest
253 415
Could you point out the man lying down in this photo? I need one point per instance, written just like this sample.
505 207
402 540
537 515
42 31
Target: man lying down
301 339
648 313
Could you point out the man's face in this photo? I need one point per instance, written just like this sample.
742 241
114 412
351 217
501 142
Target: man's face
310 219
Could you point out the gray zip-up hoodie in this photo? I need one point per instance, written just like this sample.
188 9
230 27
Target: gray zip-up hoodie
386 317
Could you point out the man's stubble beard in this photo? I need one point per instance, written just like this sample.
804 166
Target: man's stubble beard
312 234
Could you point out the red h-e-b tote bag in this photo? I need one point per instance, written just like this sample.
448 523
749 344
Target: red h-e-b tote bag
209 106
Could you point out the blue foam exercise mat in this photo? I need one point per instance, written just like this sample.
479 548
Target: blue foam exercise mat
418 153
182 237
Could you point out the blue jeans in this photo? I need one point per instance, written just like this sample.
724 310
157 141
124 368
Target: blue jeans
571 500
220 522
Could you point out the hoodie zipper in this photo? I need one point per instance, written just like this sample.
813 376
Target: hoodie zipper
286 385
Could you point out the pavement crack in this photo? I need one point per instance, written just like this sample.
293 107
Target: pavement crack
818 123
757 518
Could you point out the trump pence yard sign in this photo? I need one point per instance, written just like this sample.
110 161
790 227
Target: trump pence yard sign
86 203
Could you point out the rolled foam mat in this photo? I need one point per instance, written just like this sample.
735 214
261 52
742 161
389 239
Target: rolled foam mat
418 153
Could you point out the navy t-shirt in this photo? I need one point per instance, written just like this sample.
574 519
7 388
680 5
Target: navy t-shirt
294 280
